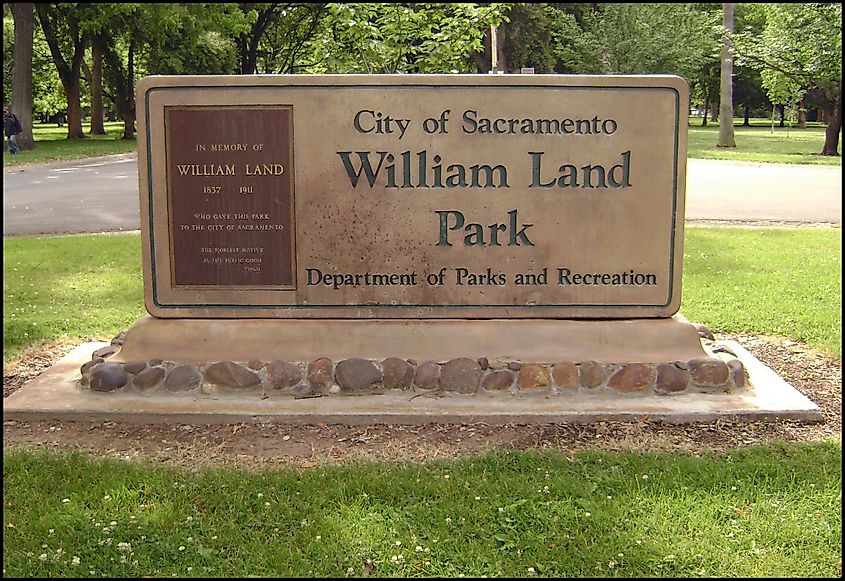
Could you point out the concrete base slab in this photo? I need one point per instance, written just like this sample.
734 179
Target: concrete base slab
55 395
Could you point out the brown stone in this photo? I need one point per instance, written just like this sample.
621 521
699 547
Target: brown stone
592 373
148 378
533 376
515 365
108 377
134 367
670 379
231 374
427 375
708 372
633 377
484 363
498 380
565 374
358 374
183 378
737 370
320 372
255 364
398 373
462 375
87 366
283 374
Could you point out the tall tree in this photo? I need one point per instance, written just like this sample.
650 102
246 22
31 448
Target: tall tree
800 54
726 107
22 72
62 27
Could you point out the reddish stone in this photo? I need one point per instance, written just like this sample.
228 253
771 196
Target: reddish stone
708 372
671 379
358 374
398 373
592 373
320 373
498 380
230 374
462 375
282 374
427 375
565 374
633 377
533 376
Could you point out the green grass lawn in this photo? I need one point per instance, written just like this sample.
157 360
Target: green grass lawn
51 144
762 511
759 143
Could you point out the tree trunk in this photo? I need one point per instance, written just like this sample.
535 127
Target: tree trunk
726 107
129 111
782 115
831 134
68 74
21 104
97 127
802 115
747 116
704 117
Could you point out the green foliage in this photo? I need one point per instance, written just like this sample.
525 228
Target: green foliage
402 38
654 38
760 511
548 39
800 49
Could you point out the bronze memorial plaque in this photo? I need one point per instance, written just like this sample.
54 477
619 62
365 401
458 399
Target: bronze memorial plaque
231 199
412 196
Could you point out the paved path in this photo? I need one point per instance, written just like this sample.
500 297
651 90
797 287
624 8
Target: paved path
101 194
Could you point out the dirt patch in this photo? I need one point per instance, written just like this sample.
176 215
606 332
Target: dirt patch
258 445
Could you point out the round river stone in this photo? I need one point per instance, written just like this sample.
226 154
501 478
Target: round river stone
108 377
320 372
283 374
633 377
462 375
358 374
183 378
398 373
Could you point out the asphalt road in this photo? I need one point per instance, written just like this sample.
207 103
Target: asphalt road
101 194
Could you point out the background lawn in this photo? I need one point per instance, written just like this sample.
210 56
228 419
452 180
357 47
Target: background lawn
758 143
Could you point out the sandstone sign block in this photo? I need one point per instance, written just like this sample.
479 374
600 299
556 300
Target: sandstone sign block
451 196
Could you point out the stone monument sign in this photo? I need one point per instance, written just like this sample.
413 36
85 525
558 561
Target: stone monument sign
412 197
318 235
